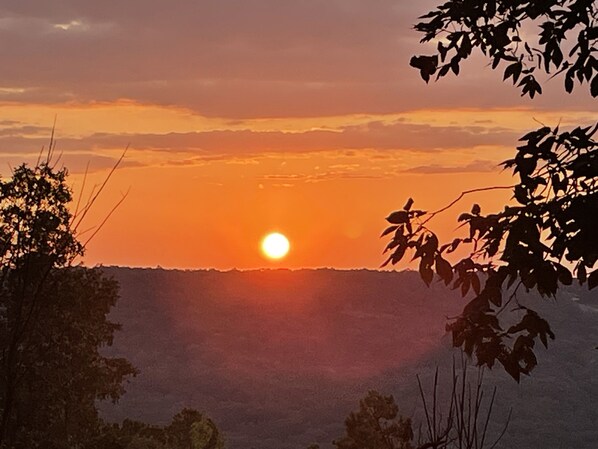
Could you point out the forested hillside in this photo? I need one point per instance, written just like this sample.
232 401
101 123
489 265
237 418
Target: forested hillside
279 358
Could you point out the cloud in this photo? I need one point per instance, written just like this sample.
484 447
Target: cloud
373 135
15 129
227 58
203 40
478 166
369 150
288 179
79 163
76 163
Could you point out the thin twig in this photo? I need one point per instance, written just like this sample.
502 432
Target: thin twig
51 146
504 430
79 234
490 407
423 396
435 398
513 295
81 192
101 225
39 156
97 194
460 197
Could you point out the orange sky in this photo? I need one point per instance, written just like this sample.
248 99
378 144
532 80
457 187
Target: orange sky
250 117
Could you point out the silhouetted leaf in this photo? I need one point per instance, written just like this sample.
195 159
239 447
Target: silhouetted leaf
426 273
475 283
398 217
512 368
444 269
569 84
398 254
565 276
426 64
389 230
513 70
581 274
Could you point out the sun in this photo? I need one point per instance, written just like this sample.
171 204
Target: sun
275 245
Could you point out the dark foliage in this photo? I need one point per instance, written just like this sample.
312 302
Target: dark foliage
461 421
544 241
377 425
63 371
52 318
189 429
548 238
499 29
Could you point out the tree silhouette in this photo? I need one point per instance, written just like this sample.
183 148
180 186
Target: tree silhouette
464 421
52 318
190 429
548 237
496 28
377 425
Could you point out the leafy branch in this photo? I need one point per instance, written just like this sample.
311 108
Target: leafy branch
548 238
494 27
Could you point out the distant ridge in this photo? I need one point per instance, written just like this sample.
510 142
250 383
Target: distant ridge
279 357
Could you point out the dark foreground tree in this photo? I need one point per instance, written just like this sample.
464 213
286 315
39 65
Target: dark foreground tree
548 237
461 418
376 425
189 429
53 318
193 430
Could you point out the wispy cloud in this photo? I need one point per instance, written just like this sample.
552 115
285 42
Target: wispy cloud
478 166
374 135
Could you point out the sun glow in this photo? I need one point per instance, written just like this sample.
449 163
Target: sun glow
275 245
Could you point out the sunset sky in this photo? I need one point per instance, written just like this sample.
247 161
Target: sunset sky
253 116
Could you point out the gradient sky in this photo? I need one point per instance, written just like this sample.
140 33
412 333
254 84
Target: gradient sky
250 116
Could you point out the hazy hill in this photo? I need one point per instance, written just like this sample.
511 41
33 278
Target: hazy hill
279 358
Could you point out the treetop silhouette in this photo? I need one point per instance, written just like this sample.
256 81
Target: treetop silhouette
53 317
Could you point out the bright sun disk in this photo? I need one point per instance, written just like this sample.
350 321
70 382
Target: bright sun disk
275 245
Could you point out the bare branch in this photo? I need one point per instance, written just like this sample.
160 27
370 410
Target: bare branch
91 202
460 197
81 192
101 225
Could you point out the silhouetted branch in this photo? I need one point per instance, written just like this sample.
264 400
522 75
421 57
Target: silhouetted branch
82 189
467 423
93 199
460 197
101 225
